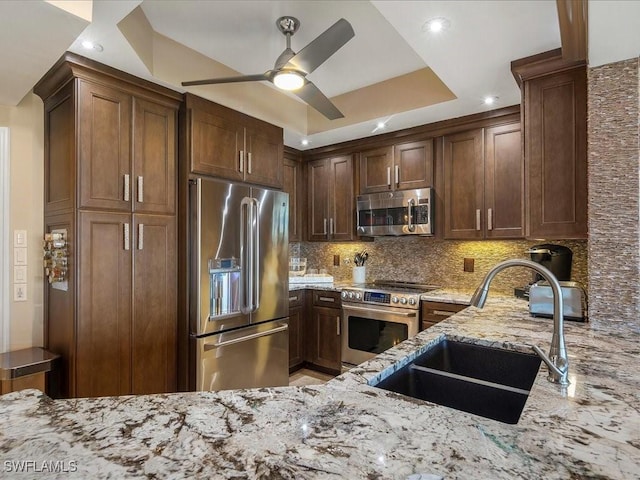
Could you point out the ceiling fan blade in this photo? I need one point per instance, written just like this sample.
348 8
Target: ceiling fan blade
242 78
320 49
316 99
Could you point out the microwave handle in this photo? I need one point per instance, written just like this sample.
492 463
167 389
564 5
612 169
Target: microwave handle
410 204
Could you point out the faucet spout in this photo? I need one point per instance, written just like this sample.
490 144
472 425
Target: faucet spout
557 361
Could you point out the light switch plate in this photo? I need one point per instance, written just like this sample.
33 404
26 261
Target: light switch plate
19 256
19 238
19 292
20 274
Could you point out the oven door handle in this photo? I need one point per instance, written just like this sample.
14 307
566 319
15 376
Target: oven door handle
377 310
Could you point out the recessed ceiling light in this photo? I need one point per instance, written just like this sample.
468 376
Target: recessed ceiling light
490 100
436 25
89 45
305 142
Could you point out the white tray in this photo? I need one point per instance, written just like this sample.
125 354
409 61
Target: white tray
311 278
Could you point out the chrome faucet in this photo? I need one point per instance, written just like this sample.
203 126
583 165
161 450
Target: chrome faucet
557 361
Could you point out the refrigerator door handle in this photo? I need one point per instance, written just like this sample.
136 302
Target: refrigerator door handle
252 336
255 261
246 248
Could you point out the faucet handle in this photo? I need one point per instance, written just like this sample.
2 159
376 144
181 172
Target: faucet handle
557 373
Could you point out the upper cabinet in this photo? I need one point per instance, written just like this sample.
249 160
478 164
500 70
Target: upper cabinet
227 144
483 183
554 94
126 149
292 184
331 199
402 166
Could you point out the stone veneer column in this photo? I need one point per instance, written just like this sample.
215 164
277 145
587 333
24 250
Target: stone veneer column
614 188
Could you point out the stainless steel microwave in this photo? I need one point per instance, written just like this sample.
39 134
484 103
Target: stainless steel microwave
403 212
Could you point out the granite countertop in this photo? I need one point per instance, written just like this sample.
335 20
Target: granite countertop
348 429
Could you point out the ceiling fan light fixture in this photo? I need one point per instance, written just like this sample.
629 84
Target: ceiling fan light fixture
288 80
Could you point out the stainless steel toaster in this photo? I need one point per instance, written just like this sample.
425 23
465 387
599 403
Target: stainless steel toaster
574 300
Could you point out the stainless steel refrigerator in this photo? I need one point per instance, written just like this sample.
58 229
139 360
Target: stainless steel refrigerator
239 275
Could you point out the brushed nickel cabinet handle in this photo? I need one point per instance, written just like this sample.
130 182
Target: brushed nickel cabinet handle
293 299
249 163
126 187
332 228
241 161
324 231
126 236
478 219
389 176
338 326
140 236
397 175
490 219
326 299
140 189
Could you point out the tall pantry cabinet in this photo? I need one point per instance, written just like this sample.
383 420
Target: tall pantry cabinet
110 183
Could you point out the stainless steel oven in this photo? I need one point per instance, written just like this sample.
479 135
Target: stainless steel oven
377 317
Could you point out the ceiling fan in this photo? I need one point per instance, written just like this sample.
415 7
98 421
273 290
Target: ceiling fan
291 68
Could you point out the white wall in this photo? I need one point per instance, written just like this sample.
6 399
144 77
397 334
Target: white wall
26 123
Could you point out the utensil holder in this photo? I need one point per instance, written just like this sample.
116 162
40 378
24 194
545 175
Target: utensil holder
359 274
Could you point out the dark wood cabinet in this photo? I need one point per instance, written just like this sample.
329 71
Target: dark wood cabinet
326 325
103 350
153 177
504 182
154 323
110 143
104 146
228 144
331 199
293 185
464 185
297 329
483 183
555 139
402 166
435 312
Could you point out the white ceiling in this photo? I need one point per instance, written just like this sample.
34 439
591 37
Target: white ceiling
472 57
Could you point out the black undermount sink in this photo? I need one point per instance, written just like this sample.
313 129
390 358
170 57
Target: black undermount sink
490 382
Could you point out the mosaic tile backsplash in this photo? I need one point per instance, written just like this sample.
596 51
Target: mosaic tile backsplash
439 262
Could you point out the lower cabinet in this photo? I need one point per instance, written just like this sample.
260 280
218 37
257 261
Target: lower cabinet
326 317
297 329
127 317
435 312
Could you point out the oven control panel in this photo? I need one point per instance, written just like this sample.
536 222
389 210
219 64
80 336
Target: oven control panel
378 297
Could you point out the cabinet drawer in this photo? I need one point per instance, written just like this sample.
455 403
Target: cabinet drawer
326 299
435 312
296 298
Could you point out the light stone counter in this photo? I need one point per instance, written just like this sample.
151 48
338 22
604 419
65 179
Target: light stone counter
348 429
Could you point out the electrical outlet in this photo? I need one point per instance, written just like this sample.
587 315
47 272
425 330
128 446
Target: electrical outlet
19 292
468 264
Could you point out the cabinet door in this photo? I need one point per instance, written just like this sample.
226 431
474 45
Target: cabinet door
318 199
104 147
376 170
154 324
263 158
413 165
103 362
504 182
326 336
296 337
292 184
216 144
556 157
464 185
154 150
341 199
